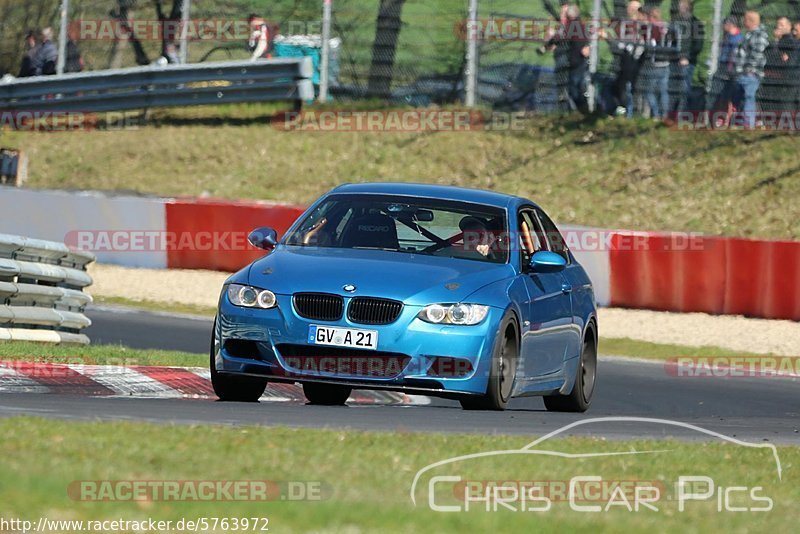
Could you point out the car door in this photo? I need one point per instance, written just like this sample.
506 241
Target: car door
546 328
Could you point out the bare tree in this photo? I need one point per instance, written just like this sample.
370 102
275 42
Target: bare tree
384 48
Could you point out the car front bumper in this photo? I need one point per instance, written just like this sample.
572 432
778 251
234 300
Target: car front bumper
412 355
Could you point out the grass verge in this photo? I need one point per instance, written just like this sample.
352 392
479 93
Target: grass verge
663 351
365 478
97 355
155 306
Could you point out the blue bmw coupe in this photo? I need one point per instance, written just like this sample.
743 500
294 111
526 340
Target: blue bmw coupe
432 290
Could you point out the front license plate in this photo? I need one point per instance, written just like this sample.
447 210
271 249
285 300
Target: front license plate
343 337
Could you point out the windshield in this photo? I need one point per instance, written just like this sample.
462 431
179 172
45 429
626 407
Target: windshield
407 225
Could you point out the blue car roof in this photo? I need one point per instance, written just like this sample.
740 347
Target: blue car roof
444 192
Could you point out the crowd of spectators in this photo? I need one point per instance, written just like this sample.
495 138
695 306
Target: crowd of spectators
41 55
655 61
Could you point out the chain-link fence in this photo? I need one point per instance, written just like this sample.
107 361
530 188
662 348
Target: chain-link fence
544 55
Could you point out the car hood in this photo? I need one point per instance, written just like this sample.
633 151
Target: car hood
412 278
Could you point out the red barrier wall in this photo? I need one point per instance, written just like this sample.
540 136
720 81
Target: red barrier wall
708 274
217 231
658 271
763 279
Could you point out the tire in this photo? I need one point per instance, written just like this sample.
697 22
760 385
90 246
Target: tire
503 371
234 388
580 398
326 394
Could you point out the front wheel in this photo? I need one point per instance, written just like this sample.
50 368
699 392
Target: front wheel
580 398
503 372
234 388
326 394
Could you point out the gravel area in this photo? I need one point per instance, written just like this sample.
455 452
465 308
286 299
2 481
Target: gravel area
196 288
761 336
201 288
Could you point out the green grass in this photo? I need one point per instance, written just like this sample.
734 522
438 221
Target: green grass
613 173
663 351
366 477
98 355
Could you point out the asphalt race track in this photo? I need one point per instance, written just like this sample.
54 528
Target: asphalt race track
752 409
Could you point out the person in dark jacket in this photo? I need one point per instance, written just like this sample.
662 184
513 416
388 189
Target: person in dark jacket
74 60
795 101
27 68
776 93
628 46
723 83
47 55
570 48
691 36
661 51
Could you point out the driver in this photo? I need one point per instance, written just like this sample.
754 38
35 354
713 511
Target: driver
476 235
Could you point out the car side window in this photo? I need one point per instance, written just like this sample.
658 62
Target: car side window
553 236
531 240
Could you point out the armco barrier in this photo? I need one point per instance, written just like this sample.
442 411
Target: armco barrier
41 291
285 79
709 274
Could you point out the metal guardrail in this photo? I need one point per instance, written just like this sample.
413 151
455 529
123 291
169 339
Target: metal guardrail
41 291
163 86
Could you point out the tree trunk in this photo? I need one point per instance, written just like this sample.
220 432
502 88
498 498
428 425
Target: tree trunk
384 48
123 16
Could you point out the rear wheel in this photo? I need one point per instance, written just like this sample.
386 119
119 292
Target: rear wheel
234 388
580 398
503 372
326 394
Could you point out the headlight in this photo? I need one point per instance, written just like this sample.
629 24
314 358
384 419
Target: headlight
462 314
251 297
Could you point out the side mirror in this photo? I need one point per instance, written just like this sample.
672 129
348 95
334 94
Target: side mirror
547 262
265 238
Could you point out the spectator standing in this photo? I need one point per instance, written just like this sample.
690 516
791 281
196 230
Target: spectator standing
27 67
723 85
795 76
628 48
776 94
559 46
750 61
691 37
570 42
660 52
74 60
261 37
47 54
